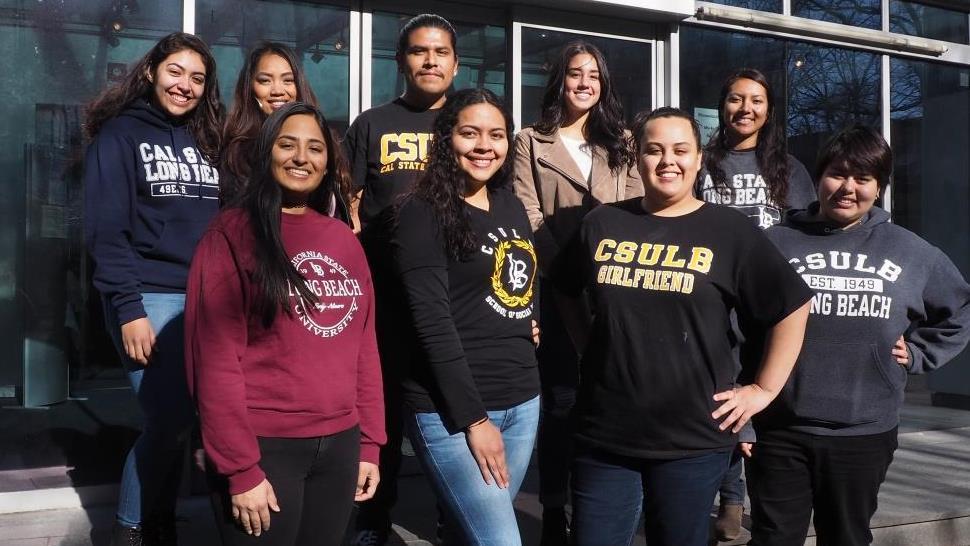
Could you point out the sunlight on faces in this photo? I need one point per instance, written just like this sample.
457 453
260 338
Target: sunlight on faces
299 157
179 82
429 63
844 197
669 158
480 142
582 84
745 110
273 83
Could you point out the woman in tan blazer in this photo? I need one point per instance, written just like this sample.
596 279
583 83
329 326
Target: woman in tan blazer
574 158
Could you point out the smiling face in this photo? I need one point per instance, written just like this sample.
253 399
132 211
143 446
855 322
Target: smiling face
429 63
179 82
480 142
581 88
273 83
669 158
745 111
299 158
845 197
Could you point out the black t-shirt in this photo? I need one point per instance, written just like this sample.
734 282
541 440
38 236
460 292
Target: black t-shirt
387 147
473 317
662 290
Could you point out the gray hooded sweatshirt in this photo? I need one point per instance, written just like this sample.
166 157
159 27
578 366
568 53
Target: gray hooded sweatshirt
873 283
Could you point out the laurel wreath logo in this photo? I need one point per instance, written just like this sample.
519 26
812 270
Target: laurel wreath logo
500 252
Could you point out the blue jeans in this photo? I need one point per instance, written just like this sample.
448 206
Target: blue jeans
153 468
732 486
609 492
481 513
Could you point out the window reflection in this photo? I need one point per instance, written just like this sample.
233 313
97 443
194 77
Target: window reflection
762 5
57 57
929 21
481 57
629 64
856 13
320 36
823 88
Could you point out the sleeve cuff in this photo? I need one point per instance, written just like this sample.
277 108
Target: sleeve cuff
130 311
246 480
370 452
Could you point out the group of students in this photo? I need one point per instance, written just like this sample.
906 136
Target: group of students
310 300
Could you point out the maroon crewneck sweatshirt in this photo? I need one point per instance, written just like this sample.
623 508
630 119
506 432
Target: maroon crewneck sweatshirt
313 372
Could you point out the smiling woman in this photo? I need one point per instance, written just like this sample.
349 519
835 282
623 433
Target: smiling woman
462 249
150 190
668 254
308 330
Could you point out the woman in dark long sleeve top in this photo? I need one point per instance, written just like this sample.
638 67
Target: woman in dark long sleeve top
463 250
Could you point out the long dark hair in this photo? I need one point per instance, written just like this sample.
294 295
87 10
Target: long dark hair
204 121
604 126
245 118
771 150
443 186
263 200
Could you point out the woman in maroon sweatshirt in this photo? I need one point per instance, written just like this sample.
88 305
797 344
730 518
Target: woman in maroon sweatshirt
280 349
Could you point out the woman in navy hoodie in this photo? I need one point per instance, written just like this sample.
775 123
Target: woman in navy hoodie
150 190
886 304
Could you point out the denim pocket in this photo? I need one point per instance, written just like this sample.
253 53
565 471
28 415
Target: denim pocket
841 383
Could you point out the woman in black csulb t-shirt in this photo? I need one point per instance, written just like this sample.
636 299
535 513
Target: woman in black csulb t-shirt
463 250
656 415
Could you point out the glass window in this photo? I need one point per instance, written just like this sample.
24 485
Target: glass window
929 21
481 57
629 64
761 5
856 13
57 57
320 36
929 118
823 88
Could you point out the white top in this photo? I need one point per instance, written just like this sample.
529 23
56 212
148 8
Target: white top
581 153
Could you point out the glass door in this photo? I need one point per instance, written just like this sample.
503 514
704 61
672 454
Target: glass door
632 64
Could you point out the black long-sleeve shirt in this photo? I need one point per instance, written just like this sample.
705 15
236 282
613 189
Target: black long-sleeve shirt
473 317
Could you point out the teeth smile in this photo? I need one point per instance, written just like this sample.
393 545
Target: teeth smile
482 163
301 173
179 98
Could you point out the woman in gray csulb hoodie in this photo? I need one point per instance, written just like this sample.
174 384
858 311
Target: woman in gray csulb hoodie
886 303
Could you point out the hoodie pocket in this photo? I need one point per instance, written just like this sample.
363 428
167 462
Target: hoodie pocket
175 242
841 384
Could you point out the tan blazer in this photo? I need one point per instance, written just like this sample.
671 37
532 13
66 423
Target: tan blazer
554 192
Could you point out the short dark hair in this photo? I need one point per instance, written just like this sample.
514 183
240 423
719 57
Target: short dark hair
422 21
861 150
641 120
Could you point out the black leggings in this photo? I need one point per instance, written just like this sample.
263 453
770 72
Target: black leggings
314 480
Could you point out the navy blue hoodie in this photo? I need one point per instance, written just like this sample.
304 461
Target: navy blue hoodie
148 195
873 283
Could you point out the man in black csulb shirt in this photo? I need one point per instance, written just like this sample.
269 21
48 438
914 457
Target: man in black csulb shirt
387 147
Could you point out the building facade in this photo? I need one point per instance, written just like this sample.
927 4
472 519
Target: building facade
900 66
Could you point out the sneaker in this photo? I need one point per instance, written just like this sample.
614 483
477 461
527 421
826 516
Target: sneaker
370 537
122 535
728 524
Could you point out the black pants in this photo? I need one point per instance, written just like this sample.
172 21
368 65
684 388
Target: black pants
314 480
558 379
790 473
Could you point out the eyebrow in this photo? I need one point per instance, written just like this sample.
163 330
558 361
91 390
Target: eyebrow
265 73
180 67
291 137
